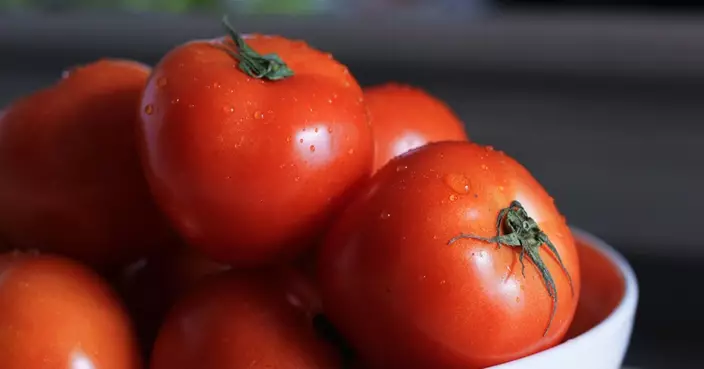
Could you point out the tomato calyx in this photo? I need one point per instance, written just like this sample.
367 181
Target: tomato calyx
268 66
520 230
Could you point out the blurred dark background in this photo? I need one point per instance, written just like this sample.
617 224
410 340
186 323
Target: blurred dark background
601 100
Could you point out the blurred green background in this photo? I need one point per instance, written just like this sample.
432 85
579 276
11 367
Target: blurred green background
174 6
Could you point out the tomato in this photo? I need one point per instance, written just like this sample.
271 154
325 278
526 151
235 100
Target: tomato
70 176
403 263
151 285
250 167
57 314
404 117
242 320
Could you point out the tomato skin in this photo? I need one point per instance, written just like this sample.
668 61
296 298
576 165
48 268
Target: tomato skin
405 117
236 319
70 176
58 314
387 273
152 285
248 170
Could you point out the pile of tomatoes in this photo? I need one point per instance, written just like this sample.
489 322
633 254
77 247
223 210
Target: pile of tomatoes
246 204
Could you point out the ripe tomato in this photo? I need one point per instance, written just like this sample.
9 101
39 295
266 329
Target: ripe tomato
250 165
57 314
70 176
151 285
243 320
393 268
404 118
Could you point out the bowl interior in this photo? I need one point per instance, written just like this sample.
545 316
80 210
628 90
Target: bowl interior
603 287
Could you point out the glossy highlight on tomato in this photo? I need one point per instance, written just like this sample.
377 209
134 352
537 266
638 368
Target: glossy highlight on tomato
57 314
405 117
251 168
407 293
71 180
241 320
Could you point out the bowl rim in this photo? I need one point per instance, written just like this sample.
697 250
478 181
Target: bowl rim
626 306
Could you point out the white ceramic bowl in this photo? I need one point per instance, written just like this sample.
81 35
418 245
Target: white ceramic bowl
603 323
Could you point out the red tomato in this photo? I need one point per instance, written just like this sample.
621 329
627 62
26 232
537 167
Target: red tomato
70 176
404 118
57 314
239 321
151 285
250 169
393 269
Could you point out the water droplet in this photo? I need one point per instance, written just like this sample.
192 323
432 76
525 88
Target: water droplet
443 281
454 197
350 151
329 55
161 81
228 109
401 168
312 148
518 299
301 140
217 85
501 188
484 167
175 101
304 129
316 130
334 96
258 115
191 106
441 156
385 215
458 183
296 179
489 148
329 129
329 101
347 83
435 237
149 109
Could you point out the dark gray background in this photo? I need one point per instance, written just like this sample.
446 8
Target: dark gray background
605 110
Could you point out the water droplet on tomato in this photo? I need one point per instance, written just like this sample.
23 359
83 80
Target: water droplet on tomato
489 148
296 179
443 281
334 96
258 115
288 139
458 183
161 81
329 129
385 215
301 140
401 168
329 101
316 129
191 106
228 109
484 167
454 197
312 148
350 151
175 101
149 109
347 83
518 299
501 188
